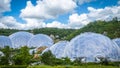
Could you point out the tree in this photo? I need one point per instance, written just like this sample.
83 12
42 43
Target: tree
23 57
5 60
48 58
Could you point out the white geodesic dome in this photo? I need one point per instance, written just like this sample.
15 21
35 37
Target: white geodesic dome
117 41
5 41
40 40
20 39
1 53
58 48
90 46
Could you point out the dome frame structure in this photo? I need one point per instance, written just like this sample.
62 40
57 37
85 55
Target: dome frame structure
5 41
90 46
39 40
20 39
57 49
117 41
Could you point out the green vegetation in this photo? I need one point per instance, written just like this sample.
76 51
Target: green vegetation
59 66
69 66
57 33
109 28
20 58
5 60
23 57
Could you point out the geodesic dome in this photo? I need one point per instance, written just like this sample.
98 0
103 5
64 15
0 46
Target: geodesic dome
90 46
31 51
58 48
1 53
40 40
117 41
5 41
20 39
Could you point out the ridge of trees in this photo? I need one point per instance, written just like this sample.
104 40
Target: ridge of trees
108 28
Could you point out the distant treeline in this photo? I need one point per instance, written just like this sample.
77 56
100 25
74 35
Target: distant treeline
60 33
109 28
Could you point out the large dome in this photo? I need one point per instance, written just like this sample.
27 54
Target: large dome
5 41
58 48
117 41
90 46
40 40
20 39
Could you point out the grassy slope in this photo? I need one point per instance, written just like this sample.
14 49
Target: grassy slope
88 66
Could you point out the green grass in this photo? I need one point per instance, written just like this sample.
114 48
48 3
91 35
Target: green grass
69 66
60 66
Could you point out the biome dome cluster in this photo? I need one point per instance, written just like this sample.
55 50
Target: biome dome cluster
20 39
5 41
88 46
117 40
58 48
91 46
40 40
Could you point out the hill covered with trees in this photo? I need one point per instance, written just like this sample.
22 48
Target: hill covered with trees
58 33
109 28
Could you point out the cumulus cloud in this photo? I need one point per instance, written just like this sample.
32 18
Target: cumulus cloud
33 23
107 13
9 22
34 15
57 24
46 9
80 2
77 21
4 5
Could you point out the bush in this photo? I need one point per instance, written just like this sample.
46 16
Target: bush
14 66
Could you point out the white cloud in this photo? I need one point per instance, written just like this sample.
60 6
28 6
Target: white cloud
75 20
80 2
107 13
4 5
33 23
57 24
46 9
9 22
78 21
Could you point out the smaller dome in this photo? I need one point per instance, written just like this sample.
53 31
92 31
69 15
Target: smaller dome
117 41
40 40
20 39
58 48
5 41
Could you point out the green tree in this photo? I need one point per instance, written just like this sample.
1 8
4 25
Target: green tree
23 57
48 58
5 60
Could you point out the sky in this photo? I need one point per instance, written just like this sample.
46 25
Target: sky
68 14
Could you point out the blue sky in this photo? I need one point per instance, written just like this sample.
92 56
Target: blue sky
29 14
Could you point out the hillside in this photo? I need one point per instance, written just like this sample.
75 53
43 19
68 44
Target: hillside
58 33
109 28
